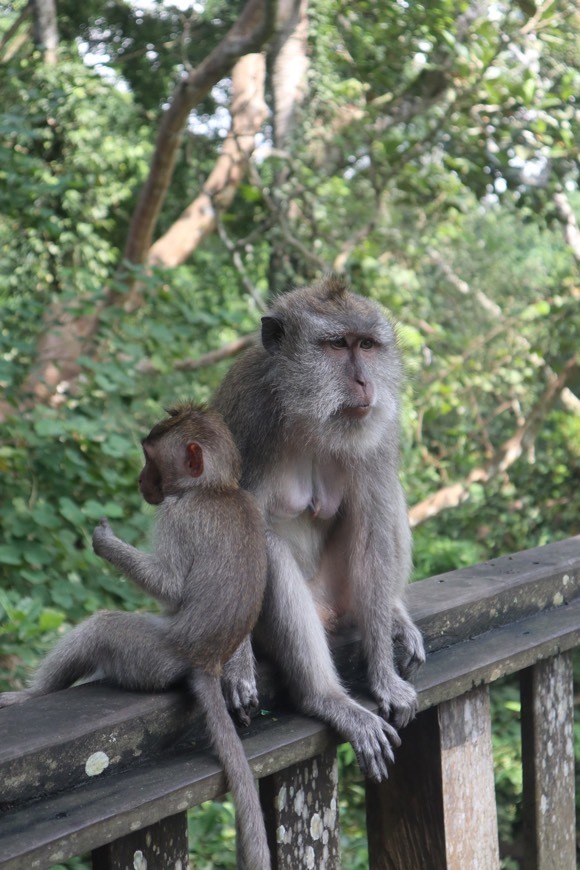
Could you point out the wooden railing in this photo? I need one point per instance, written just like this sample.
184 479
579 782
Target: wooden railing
96 769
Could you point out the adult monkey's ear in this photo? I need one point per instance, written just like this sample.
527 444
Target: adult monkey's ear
272 334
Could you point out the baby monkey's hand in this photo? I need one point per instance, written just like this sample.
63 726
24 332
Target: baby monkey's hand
102 534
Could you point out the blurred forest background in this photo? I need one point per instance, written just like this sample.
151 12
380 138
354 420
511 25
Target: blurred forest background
165 168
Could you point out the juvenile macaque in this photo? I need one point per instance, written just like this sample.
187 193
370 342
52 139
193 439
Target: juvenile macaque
208 567
314 411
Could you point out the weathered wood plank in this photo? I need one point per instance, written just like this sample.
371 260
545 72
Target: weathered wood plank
160 846
300 807
89 720
460 605
63 740
464 603
438 808
78 821
56 743
505 650
548 765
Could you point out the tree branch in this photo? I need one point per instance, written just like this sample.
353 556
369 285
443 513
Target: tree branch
462 286
146 367
568 220
248 112
510 451
247 35
283 224
25 13
240 268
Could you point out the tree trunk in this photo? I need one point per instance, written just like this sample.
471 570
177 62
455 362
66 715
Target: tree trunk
288 68
249 111
12 40
288 64
247 35
45 28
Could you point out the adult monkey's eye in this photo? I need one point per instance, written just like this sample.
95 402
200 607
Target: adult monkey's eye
338 342
366 343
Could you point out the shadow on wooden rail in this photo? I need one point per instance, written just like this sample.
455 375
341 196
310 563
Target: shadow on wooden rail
96 769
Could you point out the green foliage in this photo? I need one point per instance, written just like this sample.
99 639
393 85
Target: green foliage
71 156
57 482
443 553
63 468
352 818
424 163
147 48
79 863
212 832
506 740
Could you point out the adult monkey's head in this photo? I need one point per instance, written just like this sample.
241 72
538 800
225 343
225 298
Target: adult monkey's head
335 366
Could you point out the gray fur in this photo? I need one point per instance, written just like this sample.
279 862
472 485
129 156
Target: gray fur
208 567
314 411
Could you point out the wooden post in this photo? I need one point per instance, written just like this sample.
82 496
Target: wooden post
157 847
300 806
438 808
405 814
548 765
470 816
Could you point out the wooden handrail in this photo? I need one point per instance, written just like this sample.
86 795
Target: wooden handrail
88 766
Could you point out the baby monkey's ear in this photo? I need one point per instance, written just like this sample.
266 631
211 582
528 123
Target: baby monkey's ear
194 460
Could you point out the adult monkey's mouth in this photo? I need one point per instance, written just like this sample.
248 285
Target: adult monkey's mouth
356 410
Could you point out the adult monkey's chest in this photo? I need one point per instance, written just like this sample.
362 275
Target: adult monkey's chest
306 487
304 508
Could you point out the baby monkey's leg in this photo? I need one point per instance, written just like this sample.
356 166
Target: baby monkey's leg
132 649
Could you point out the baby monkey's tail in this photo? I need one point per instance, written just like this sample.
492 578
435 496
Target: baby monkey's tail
229 749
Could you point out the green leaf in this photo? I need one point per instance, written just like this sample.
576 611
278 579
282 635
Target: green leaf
48 428
116 446
70 511
36 554
45 516
10 554
50 619
112 510
93 509
537 310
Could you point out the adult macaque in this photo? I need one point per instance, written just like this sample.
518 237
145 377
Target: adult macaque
315 414
208 567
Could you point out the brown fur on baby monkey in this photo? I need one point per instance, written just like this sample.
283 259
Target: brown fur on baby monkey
208 568
210 526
